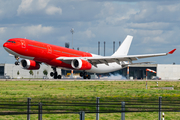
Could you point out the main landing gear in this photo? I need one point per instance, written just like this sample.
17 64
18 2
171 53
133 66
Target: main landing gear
85 75
55 74
17 62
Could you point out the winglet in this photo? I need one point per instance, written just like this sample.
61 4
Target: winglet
172 51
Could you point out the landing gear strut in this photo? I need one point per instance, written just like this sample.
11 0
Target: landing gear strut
85 75
55 74
17 62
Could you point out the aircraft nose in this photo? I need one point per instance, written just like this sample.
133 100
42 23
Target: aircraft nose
5 44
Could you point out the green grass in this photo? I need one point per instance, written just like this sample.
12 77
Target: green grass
88 90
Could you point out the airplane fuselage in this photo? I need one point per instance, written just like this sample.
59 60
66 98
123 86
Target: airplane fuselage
47 53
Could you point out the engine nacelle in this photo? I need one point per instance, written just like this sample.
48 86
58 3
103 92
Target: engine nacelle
80 64
30 64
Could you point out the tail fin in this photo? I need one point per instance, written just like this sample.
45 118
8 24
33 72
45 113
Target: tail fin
124 47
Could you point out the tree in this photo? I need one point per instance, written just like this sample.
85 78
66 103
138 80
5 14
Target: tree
45 72
31 72
37 74
18 72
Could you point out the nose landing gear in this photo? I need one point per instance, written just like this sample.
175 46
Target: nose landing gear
55 74
17 62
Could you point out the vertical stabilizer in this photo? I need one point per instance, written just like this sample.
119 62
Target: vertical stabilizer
124 47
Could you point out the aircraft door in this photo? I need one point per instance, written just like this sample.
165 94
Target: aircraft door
49 49
23 44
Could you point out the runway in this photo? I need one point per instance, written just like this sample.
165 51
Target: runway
67 79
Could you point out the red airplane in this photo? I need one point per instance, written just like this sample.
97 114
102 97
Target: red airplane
33 53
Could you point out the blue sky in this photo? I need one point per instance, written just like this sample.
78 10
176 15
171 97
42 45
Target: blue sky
154 24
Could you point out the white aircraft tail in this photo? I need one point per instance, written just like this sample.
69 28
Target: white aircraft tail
124 47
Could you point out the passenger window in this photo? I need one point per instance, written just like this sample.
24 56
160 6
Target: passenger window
11 41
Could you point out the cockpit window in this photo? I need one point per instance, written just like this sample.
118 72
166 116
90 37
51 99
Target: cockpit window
11 41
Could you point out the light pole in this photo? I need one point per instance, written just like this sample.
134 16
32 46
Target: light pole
72 31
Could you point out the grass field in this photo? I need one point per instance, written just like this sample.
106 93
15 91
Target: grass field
88 89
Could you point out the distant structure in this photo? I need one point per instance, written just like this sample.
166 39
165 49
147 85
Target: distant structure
67 45
13 71
72 31
104 47
98 48
113 46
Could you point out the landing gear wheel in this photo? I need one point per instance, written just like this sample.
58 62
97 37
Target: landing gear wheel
51 74
55 75
89 77
59 76
16 63
81 74
85 75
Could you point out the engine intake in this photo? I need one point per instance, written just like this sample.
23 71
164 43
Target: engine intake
30 64
80 64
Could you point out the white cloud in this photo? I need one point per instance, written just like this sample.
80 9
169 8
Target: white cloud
63 39
84 37
37 30
34 6
149 25
115 14
157 11
107 9
154 40
51 10
2 30
25 7
170 8
89 34
42 3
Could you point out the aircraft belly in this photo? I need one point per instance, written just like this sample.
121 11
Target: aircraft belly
102 68
16 54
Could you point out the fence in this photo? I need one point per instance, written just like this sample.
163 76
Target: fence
85 106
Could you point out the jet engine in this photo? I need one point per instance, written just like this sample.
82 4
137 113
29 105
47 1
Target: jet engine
80 64
30 64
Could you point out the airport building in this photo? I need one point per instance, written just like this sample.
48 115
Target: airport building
13 71
164 71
